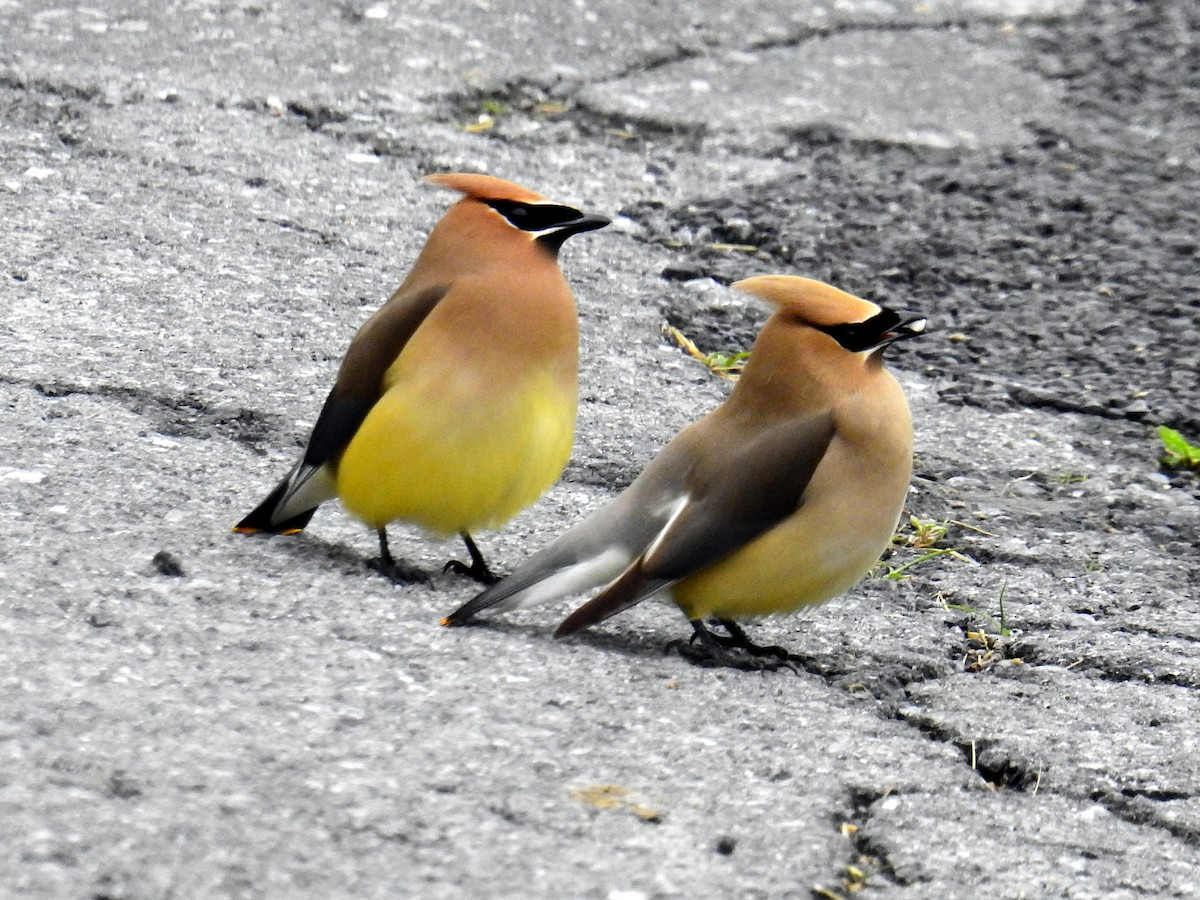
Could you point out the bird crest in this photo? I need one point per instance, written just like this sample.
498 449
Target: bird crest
812 301
484 187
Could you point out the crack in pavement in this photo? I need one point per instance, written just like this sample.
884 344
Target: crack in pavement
1001 769
1028 397
66 90
1132 809
866 848
1104 670
987 759
327 238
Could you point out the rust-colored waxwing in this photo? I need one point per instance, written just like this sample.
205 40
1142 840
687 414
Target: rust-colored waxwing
454 407
782 497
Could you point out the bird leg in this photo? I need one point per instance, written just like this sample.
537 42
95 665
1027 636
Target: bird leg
734 650
397 570
478 569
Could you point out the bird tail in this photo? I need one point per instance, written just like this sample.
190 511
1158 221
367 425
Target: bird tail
552 573
631 588
262 519
492 596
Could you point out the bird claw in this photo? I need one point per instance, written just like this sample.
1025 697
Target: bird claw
732 643
733 650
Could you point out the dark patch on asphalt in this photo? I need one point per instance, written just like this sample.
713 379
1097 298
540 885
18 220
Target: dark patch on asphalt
187 416
1061 275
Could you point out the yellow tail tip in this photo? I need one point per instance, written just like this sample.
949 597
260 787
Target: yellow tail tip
446 623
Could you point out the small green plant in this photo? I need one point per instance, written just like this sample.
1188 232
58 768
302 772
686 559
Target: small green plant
727 364
895 573
924 535
488 113
999 627
1069 477
1177 452
989 641
493 108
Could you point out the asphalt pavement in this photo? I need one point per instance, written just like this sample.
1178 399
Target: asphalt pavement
199 204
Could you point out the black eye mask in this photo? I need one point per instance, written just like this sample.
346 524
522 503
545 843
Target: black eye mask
553 223
535 217
883 328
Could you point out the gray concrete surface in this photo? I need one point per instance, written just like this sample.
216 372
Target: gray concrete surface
199 205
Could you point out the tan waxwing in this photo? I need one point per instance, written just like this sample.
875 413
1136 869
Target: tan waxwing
454 407
784 496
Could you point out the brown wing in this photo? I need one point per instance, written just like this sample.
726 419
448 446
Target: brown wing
358 387
741 488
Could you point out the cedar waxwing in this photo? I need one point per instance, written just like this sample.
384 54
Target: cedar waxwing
783 496
454 407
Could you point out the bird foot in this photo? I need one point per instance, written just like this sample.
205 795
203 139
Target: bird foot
715 656
476 571
398 571
478 567
733 650
737 639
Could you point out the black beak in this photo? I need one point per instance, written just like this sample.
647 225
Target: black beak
586 222
553 240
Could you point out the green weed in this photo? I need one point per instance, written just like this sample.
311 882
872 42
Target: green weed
924 535
727 364
1178 453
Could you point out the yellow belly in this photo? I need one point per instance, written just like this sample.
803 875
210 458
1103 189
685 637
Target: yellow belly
454 456
823 549
778 573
